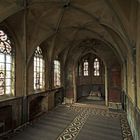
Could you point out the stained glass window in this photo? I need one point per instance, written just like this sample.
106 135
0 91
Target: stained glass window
7 77
85 68
39 69
57 75
96 67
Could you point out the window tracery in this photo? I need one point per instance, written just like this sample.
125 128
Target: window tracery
86 68
57 74
96 67
6 65
39 69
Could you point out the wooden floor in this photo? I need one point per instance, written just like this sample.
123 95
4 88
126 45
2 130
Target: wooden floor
76 122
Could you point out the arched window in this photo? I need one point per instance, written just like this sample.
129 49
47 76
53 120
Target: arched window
39 70
57 75
85 68
7 76
96 67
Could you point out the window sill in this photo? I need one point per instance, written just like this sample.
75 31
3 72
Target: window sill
43 90
57 87
38 91
6 97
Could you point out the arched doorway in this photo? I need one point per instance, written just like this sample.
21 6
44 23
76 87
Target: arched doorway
91 80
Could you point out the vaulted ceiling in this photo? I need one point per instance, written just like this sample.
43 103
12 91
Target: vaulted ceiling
61 25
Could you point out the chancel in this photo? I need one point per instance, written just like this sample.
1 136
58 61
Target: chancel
70 69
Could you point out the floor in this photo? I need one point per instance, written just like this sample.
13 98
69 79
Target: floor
77 122
92 100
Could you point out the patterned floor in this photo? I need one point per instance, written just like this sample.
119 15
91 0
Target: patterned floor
77 122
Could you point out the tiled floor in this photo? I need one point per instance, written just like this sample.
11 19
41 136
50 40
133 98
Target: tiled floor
77 122
92 100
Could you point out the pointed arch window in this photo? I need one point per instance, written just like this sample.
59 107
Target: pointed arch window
86 68
39 69
96 67
7 76
57 73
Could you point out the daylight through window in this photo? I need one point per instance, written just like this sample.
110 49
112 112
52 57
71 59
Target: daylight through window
85 68
39 69
6 65
96 67
57 78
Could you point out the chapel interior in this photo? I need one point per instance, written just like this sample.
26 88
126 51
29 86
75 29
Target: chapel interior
70 69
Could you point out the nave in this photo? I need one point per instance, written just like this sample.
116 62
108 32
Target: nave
76 122
57 56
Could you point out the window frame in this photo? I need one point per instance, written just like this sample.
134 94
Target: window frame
57 73
7 65
96 65
85 68
38 69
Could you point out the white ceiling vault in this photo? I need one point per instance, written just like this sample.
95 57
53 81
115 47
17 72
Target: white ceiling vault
62 24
